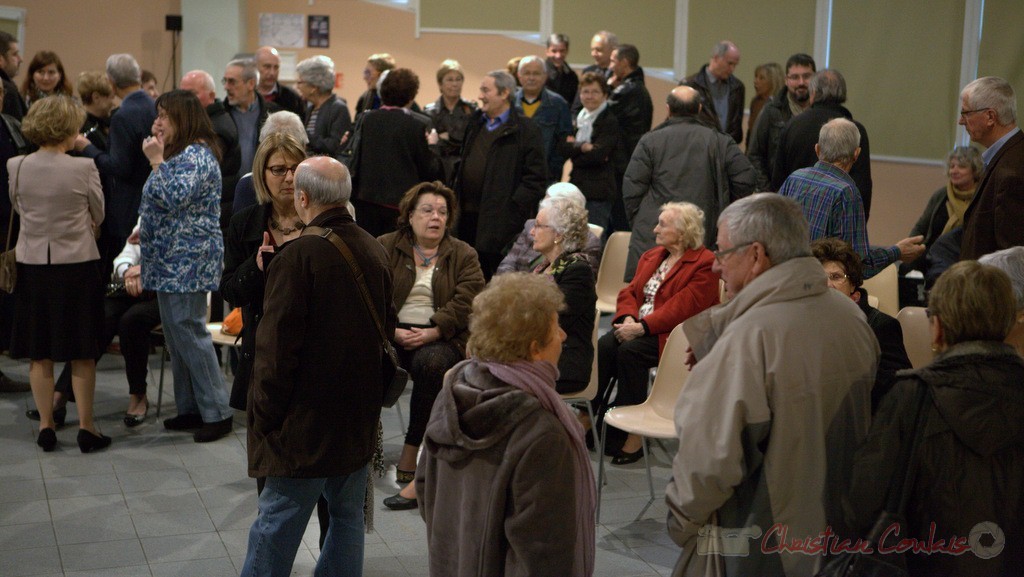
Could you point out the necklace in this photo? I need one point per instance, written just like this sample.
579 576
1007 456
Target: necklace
426 259
299 225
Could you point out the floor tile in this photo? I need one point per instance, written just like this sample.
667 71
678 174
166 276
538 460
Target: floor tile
89 556
133 571
163 501
90 506
173 523
183 547
34 561
14 537
218 567
154 481
60 487
24 512
93 529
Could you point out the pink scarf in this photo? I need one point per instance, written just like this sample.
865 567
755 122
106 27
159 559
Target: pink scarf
537 379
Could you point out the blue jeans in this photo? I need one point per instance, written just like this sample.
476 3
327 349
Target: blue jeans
198 385
285 507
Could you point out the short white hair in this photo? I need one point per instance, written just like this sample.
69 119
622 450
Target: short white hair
566 190
1011 261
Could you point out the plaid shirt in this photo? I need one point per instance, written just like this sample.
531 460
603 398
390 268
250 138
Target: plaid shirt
833 208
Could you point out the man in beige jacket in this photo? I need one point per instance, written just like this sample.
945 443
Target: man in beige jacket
775 406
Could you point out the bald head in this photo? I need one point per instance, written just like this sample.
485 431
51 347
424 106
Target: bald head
200 83
321 183
724 59
268 61
683 101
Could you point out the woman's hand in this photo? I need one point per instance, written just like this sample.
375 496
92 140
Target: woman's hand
81 142
628 330
412 339
133 280
432 137
586 147
264 248
153 148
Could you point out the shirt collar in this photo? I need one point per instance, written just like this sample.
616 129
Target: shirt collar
495 123
991 152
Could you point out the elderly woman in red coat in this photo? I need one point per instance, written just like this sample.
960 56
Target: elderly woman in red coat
673 282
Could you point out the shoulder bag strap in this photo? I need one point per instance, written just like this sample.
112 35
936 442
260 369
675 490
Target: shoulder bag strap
14 201
346 253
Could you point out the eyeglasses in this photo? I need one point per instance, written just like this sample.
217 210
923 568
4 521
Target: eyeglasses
837 276
428 210
281 170
965 113
230 81
721 254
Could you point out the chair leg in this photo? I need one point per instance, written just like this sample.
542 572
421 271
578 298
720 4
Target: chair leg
600 470
160 388
650 478
401 420
593 423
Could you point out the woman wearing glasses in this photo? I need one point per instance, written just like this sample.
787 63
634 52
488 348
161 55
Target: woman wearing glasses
436 277
673 282
249 242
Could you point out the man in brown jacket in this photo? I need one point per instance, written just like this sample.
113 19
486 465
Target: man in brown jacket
317 386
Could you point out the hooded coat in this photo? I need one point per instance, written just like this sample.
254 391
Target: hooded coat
485 486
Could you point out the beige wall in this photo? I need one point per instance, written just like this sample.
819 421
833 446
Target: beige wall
85 32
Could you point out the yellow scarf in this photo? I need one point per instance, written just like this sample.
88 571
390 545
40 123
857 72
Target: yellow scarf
956 205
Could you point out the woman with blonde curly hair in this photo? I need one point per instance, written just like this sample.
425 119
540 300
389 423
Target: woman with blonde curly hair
560 235
505 482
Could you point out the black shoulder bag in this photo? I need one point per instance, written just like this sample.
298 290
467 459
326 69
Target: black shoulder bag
394 376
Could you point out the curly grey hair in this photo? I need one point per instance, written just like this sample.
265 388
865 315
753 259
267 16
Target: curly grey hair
568 219
318 72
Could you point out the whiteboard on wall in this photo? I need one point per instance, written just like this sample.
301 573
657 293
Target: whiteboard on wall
282 30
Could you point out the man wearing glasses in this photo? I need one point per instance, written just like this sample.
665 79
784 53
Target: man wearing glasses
988 111
246 107
777 401
793 99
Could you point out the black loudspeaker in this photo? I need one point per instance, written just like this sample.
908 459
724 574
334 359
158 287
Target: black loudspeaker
173 23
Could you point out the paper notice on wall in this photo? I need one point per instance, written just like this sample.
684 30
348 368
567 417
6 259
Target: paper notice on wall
282 30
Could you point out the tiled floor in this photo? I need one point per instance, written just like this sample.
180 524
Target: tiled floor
158 504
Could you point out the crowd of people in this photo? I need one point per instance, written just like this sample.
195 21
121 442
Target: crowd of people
469 235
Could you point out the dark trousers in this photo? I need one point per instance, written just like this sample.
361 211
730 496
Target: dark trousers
630 363
489 261
427 366
131 320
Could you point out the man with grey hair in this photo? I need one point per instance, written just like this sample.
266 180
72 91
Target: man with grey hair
988 111
317 387
782 394
245 106
1011 261
123 160
682 160
831 200
503 172
548 110
200 83
796 142
724 95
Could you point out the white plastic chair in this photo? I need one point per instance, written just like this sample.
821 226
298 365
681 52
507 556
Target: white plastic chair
586 396
886 286
917 337
612 270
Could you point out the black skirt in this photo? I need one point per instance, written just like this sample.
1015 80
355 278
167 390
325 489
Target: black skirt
58 311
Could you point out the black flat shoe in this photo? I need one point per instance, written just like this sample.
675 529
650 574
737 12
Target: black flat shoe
183 423
59 415
89 442
624 458
400 503
136 420
47 440
403 476
213 431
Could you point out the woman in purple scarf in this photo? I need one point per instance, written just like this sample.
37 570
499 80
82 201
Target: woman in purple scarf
505 482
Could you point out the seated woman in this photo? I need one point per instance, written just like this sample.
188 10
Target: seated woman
558 235
967 480
846 274
946 207
436 277
505 479
1011 261
523 258
673 282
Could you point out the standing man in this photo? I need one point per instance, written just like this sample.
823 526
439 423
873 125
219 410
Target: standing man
562 79
200 83
123 160
723 93
317 386
988 111
831 202
796 143
276 96
793 99
245 106
10 62
682 160
784 420
548 110
503 172
601 47
631 103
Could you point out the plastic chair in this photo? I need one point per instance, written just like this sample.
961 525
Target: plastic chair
917 337
886 286
654 417
587 395
612 270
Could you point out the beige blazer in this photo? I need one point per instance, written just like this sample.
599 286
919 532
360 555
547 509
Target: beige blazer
60 201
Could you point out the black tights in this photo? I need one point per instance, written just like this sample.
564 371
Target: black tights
427 366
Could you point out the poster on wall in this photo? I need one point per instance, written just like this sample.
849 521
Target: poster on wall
282 30
319 31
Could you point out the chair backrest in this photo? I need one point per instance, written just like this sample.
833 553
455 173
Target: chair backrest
672 374
591 391
917 337
612 270
596 229
886 286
